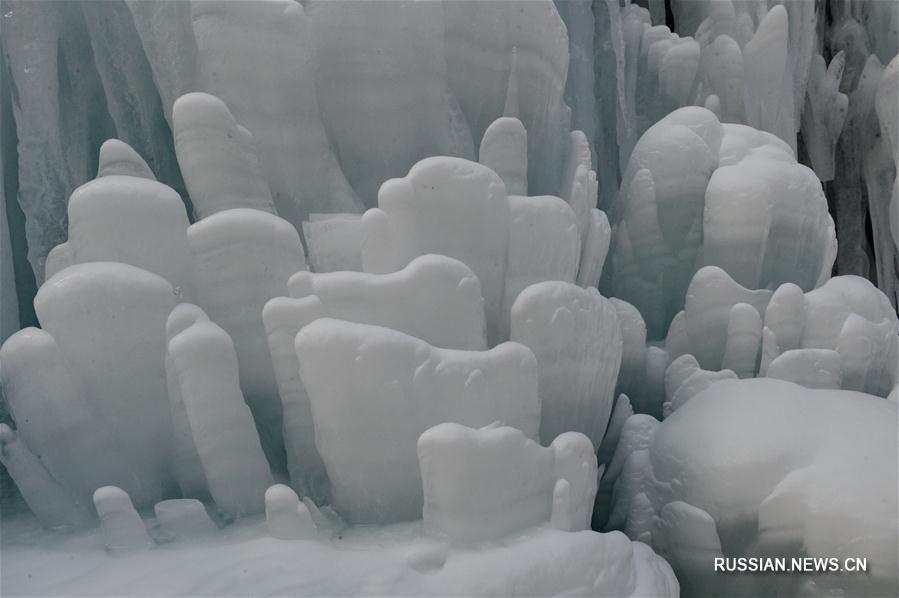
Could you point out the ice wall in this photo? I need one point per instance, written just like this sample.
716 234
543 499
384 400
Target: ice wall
257 57
357 374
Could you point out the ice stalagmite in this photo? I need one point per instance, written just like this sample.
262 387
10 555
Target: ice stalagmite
532 36
108 320
448 206
257 57
122 528
481 485
135 221
243 258
434 298
57 422
287 518
119 158
769 89
221 424
186 465
825 113
183 519
381 125
374 391
711 296
284 317
594 249
575 335
217 157
47 499
551 220
504 149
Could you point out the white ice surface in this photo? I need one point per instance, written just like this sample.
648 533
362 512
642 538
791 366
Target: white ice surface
108 320
778 467
363 561
449 206
373 391
482 485
575 335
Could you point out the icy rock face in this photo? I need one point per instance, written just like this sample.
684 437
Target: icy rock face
526 58
217 157
108 320
434 298
802 483
356 375
482 485
576 337
257 57
132 220
204 365
243 258
334 242
382 125
674 213
449 206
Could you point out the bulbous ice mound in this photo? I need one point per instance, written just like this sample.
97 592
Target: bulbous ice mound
841 335
697 192
766 467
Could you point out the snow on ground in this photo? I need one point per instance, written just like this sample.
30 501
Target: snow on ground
397 560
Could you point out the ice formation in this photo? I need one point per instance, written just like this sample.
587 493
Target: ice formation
597 284
462 469
734 197
702 485
374 390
